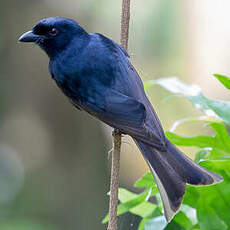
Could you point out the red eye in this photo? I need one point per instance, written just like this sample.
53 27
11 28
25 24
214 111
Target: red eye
53 31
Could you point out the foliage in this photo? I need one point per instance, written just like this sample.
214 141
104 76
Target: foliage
206 207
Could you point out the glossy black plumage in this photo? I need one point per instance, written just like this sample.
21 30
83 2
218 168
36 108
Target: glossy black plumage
95 74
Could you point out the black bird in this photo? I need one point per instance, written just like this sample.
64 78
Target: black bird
94 72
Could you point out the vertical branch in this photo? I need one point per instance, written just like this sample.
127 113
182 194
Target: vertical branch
114 181
125 16
115 168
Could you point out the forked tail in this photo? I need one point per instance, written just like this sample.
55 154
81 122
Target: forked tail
172 170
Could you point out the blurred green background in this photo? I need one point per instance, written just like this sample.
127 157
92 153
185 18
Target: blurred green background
54 168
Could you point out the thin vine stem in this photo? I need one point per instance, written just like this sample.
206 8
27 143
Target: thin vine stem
115 168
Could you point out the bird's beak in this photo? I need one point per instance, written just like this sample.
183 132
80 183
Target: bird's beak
29 37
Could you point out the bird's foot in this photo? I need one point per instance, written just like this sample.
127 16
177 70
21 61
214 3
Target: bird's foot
116 132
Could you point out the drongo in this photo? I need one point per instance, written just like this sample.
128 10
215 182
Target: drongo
96 75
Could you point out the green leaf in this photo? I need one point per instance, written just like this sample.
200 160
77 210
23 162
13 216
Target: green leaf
196 227
156 213
183 220
190 213
146 180
218 166
222 136
219 145
144 209
157 223
180 221
142 224
208 217
219 198
223 79
201 155
199 141
125 195
212 202
136 203
214 108
217 109
128 205
191 196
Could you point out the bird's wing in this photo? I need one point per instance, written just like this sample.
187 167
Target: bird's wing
122 111
126 114
116 109
122 103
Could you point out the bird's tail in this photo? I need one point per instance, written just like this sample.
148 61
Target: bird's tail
172 170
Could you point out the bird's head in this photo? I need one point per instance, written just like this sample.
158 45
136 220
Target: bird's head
54 34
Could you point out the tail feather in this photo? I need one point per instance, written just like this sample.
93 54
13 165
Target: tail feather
172 170
191 172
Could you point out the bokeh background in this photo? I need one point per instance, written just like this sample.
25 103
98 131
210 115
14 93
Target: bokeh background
54 167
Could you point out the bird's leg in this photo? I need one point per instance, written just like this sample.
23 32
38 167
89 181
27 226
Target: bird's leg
116 132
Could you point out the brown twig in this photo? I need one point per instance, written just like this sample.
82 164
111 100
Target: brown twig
125 16
115 168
